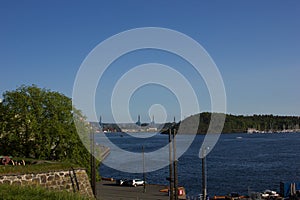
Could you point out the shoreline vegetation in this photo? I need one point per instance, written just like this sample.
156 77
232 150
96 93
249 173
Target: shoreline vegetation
233 124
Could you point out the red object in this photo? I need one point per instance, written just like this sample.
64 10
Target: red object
180 192
5 160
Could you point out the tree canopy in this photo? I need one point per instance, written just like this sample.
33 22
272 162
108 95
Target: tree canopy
39 123
241 124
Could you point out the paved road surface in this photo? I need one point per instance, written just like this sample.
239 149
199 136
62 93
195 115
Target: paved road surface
107 190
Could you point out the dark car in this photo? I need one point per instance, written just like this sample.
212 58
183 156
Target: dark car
121 181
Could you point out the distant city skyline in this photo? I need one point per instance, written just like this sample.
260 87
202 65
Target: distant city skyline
255 45
138 119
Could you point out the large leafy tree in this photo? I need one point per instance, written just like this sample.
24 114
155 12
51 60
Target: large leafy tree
39 123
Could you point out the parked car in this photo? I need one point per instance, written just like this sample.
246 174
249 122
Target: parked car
134 182
121 181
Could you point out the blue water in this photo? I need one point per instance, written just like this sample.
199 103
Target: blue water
238 163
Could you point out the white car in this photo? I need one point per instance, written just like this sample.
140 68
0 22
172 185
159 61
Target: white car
136 182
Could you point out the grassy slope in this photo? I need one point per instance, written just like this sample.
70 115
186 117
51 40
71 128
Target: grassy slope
37 168
8 192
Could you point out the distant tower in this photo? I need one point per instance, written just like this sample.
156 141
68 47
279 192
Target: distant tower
152 122
139 121
100 122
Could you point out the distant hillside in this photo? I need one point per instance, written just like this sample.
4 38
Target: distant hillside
242 124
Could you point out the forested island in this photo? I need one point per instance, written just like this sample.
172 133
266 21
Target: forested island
243 124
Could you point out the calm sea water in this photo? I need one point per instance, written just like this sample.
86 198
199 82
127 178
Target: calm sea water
238 163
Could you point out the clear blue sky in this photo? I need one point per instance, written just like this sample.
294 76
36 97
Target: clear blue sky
255 44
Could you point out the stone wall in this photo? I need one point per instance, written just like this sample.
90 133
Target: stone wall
73 180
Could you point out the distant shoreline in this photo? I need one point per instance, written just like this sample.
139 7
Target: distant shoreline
233 124
166 133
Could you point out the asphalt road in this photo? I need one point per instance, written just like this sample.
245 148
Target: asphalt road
107 190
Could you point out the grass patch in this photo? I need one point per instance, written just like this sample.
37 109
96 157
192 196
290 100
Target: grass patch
43 166
11 192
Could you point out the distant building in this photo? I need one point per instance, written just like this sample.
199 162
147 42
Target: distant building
100 122
253 130
138 123
152 123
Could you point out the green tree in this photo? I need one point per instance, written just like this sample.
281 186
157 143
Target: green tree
39 123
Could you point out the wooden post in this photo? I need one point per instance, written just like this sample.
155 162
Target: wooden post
170 167
175 166
204 191
144 174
